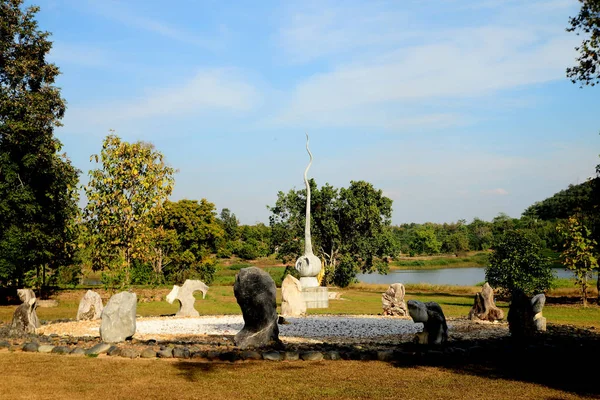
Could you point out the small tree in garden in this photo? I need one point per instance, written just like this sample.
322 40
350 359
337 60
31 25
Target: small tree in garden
123 194
578 254
517 264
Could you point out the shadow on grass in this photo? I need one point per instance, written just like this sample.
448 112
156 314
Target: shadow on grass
556 360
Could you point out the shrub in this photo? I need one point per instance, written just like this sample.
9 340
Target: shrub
518 264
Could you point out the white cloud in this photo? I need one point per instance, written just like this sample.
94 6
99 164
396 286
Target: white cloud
208 90
117 11
498 192
383 77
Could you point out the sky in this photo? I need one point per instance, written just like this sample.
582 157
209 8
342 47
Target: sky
455 109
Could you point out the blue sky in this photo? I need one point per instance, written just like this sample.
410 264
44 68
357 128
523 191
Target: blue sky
455 109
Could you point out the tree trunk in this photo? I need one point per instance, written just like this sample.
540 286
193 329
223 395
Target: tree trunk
584 291
598 288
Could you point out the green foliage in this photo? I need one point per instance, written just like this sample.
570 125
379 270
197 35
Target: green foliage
38 185
425 240
350 228
587 71
578 254
123 195
190 235
517 264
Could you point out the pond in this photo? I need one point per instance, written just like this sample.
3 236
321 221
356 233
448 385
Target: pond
443 276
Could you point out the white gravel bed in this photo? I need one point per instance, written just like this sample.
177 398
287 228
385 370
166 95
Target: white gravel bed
307 327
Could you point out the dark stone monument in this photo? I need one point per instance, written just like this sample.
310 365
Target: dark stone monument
435 329
255 292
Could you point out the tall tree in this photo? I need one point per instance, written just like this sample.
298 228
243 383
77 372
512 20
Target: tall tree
587 22
578 254
350 228
123 195
38 185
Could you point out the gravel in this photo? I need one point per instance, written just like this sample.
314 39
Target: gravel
306 327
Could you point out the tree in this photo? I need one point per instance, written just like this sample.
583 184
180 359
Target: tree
425 240
587 71
350 228
38 185
189 233
123 195
578 254
517 264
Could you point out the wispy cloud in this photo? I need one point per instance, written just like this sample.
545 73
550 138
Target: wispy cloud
118 11
208 90
497 192
446 64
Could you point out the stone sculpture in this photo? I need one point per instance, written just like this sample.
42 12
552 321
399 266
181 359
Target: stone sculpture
393 301
25 295
118 318
25 319
484 308
90 307
292 299
525 315
185 296
308 265
435 329
255 292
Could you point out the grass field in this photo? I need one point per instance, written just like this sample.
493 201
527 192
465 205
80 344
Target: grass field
45 376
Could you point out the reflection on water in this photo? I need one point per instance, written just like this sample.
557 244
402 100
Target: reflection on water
444 276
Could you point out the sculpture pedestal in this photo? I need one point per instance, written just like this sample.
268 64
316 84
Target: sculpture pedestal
316 297
309 281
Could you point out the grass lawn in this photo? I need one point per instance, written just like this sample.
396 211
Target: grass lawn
48 376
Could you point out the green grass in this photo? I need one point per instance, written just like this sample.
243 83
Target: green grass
476 260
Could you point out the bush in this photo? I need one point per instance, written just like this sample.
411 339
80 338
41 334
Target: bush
517 263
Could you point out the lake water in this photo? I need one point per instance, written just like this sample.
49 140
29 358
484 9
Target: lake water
444 276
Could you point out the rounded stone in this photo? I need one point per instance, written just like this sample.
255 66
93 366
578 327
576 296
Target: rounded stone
272 356
148 353
312 356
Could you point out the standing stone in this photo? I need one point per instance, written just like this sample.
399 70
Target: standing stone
435 329
25 319
25 295
255 292
185 296
393 301
484 308
118 318
292 303
525 315
90 307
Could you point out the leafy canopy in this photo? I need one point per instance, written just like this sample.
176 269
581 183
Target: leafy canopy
130 186
517 264
38 186
350 228
587 22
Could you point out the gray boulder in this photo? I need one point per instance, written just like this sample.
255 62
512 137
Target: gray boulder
292 299
118 318
525 315
25 320
484 308
435 329
255 292
185 296
393 301
90 307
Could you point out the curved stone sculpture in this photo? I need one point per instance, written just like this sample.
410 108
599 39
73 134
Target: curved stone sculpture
25 319
435 329
25 295
525 315
308 265
185 296
393 301
90 307
255 292
118 318
292 299
484 308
